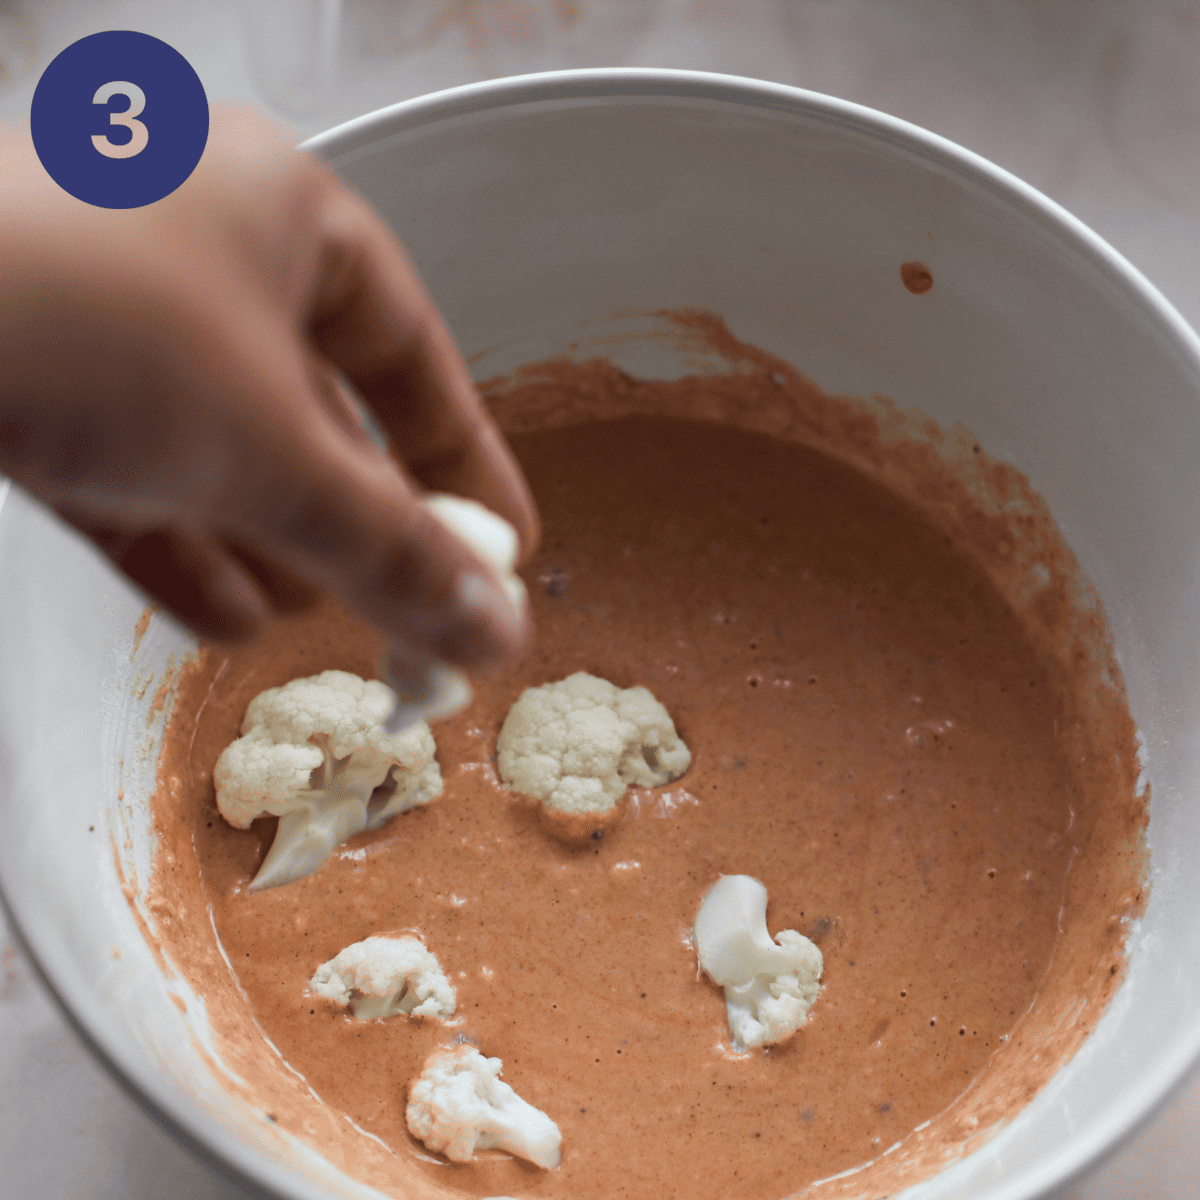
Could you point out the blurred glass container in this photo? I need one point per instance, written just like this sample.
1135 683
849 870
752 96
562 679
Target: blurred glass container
18 45
292 50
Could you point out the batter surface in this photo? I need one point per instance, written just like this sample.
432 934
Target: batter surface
873 737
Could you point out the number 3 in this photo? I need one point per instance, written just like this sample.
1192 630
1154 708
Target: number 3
128 118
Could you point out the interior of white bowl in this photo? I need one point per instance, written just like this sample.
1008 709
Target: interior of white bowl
545 215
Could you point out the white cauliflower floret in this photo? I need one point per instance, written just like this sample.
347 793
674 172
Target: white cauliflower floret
384 976
579 743
437 690
487 533
312 753
769 985
460 1105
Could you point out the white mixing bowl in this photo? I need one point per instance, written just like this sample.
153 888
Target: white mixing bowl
533 206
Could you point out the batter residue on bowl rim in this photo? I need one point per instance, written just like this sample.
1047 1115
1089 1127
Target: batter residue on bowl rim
905 719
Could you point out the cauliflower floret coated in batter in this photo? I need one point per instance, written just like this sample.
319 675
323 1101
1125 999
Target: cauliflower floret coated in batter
312 753
460 1105
579 743
385 976
769 985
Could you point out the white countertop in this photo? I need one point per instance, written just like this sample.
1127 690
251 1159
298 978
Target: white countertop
1096 102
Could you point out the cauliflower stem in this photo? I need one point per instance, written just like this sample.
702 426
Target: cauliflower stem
769 985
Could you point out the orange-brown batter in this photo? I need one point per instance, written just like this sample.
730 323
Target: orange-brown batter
875 737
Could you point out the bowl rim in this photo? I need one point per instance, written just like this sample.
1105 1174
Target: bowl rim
185 1119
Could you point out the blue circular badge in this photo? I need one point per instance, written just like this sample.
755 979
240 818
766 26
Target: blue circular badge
119 119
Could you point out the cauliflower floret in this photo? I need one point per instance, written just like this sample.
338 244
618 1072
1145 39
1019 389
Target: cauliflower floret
488 534
579 743
383 976
460 1105
312 753
769 986
436 690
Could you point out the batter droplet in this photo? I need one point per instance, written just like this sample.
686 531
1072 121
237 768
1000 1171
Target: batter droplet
917 277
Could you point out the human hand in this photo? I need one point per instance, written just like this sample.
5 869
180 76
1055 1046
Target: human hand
172 383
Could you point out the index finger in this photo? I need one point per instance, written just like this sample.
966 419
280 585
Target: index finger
370 315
